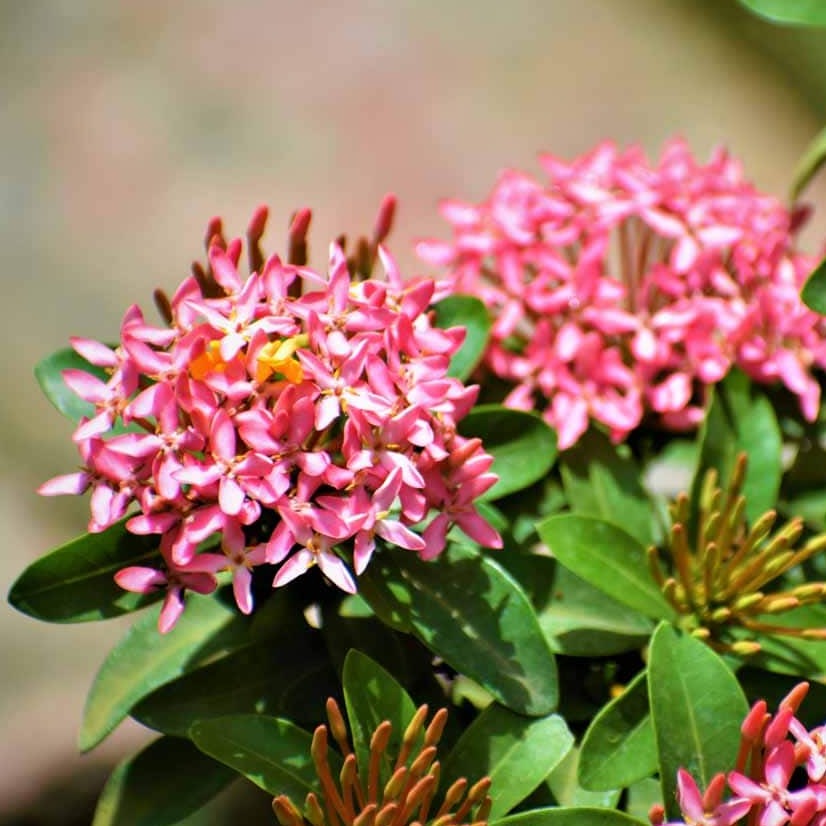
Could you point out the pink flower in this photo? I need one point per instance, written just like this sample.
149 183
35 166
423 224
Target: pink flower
772 795
707 809
288 418
766 763
621 289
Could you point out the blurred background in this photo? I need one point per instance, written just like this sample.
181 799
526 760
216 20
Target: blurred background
125 126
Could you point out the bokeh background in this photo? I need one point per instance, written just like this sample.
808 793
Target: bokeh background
124 126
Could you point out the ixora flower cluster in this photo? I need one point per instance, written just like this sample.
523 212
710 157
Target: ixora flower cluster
622 289
776 751
288 412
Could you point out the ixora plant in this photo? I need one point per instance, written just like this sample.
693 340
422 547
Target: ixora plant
291 479
491 592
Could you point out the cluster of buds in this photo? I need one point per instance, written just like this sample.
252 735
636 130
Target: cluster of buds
772 748
718 585
406 799
621 290
295 415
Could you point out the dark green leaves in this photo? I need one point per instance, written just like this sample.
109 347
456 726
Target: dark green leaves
741 419
572 816
602 480
608 558
801 12
145 659
697 707
372 696
160 786
578 619
618 748
289 676
75 583
48 374
516 752
814 290
272 753
472 613
522 445
470 313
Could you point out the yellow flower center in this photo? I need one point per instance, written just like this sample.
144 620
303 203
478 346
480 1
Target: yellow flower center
209 361
279 357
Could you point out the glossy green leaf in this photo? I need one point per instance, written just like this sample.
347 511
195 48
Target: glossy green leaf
801 12
48 374
468 610
578 619
160 786
146 659
279 677
697 707
516 752
814 290
75 582
791 655
741 419
641 796
570 816
367 634
603 480
618 748
564 785
606 557
271 752
372 696
522 445
470 313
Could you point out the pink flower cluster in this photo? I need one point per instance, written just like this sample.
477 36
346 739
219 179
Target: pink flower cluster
620 290
772 748
295 415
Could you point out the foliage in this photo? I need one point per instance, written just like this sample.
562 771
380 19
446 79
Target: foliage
583 642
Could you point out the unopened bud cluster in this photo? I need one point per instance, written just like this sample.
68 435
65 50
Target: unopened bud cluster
358 797
719 584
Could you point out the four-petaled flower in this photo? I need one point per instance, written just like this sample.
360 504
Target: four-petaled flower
273 424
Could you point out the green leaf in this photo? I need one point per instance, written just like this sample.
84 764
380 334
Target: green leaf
641 796
566 790
272 753
48 375
373 696
801 12
741 419
75 583
466 609
367 634
295 683
578 619
516 752
792 655
160 786
145 659
608 558
603 480
814 290
522 445
470 313
697 707
570 816
618 748
807 167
